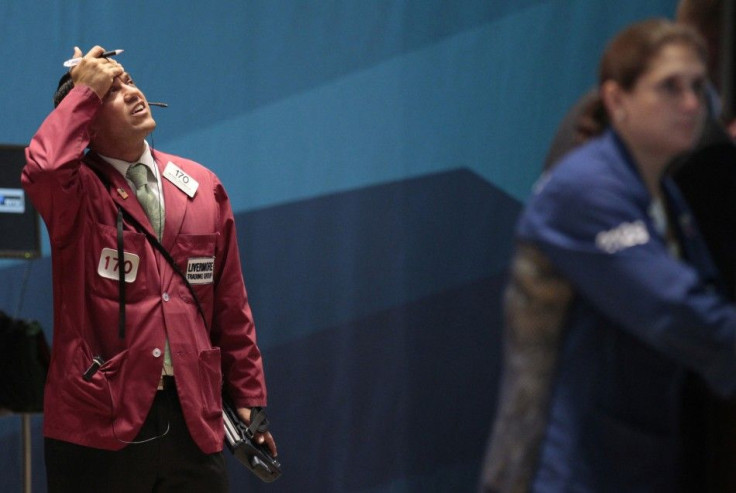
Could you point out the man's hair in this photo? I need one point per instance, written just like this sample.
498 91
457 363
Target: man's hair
704 15
65 85
707 17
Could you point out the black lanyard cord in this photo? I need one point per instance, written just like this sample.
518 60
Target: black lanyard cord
158 246
121 260
121 276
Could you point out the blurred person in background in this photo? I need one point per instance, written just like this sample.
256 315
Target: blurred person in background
614 298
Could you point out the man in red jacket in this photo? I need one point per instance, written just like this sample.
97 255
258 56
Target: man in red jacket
140 355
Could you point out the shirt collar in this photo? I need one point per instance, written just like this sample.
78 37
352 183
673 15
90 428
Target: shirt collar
146 158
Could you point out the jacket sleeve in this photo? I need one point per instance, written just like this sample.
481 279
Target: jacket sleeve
604 242
233 329
535 305
53 157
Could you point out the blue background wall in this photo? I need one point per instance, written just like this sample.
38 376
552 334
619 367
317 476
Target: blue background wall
377 154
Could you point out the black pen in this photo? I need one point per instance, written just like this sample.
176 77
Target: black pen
75 61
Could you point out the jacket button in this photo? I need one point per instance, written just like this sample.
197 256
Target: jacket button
156 353
165 296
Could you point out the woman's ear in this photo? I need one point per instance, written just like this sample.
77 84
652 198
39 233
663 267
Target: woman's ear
612 96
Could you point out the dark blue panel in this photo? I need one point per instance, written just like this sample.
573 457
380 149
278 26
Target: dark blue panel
11 454
406 392
26 292
321 262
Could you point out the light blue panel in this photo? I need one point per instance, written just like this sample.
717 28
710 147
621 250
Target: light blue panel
335 137
488 98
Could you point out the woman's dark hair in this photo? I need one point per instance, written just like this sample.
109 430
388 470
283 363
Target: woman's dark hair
627 56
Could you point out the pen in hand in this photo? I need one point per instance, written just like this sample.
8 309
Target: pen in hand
75 61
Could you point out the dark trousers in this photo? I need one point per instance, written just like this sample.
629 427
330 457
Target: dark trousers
170 463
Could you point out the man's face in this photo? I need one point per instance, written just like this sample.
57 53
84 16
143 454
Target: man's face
123 121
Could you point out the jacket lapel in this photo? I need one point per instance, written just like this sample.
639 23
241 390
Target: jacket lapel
175 206
119 189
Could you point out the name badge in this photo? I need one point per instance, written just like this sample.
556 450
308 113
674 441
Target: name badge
201 270
183 181
109 265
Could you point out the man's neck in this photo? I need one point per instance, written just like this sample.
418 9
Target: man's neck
129 153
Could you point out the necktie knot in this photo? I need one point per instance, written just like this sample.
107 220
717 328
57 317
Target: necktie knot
138 174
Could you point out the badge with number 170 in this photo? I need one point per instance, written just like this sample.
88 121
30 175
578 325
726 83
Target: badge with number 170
109 265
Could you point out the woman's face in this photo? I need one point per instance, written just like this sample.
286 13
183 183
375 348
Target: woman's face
663 114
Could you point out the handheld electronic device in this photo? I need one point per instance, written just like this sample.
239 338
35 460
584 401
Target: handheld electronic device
239 439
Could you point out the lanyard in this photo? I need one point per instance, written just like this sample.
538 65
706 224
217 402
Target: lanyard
121 252
158 246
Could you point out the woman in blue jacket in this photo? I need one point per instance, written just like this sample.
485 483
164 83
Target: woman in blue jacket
613 297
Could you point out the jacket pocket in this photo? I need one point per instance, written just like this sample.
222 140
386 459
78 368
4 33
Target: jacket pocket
210 376
103 266
624 454
195 255
94 395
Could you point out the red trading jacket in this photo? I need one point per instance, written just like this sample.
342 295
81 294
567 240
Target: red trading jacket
80 213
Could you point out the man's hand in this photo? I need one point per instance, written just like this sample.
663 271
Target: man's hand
94 71
260 438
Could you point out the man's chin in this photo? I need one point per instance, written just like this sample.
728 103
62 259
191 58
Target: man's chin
149 126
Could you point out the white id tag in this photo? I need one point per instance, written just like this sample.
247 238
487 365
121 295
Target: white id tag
183 181
201 270
109 265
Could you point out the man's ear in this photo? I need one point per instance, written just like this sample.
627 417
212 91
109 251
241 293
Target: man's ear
612 95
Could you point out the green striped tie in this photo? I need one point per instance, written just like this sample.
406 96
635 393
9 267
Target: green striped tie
138 174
